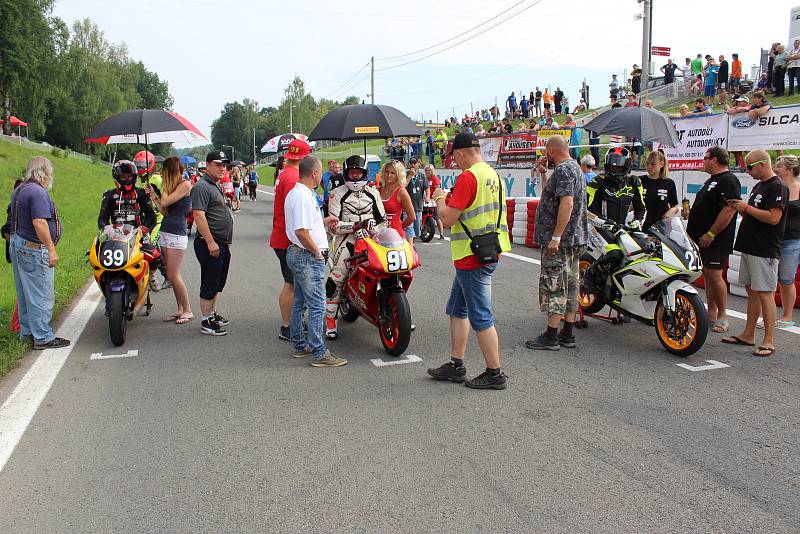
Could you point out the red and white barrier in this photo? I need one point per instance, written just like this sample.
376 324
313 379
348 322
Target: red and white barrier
532 206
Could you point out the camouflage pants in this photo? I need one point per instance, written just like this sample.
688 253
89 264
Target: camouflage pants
559 280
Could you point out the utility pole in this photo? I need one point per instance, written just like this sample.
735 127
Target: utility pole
254 146
291 118
372 79
647 26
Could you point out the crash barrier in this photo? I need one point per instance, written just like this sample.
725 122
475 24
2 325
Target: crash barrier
779 129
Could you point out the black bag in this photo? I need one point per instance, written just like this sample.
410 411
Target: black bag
486 247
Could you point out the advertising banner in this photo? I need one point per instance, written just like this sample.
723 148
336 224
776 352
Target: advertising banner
490 148
516 149
778 129
544 135
696 135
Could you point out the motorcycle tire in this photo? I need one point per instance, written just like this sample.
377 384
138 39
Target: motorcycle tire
348 312
117 317
590 302
396 340
428 230
693 325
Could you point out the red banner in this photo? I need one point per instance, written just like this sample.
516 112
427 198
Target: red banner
517 148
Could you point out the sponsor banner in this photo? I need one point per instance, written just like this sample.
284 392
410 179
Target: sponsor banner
490 148
517 148
519 182
778 129
544 135
696 135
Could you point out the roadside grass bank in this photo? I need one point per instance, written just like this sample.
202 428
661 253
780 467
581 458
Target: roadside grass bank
77 188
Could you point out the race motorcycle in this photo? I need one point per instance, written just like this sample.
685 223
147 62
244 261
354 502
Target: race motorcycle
379 274
653 283
121 264
428 226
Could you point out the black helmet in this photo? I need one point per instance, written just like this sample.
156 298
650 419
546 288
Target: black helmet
355 162
124 172
618 162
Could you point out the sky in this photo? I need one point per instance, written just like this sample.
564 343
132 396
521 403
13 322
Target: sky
216 51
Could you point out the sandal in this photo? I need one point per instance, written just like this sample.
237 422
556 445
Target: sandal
183 319
764 352
760 323
720 326
736 340
170 318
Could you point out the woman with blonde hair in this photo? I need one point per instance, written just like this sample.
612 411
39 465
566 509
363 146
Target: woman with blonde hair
396 199
788 170
660 193
175 203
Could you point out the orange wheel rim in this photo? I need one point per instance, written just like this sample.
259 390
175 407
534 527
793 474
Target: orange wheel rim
681 332
585 299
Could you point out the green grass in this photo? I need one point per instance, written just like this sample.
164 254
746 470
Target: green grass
77 188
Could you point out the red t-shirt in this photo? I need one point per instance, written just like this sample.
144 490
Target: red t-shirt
435 183
461 197
287 179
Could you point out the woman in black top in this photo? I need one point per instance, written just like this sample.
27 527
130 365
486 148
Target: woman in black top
660 194
788 169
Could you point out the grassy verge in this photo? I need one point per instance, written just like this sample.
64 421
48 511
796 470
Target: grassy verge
77 188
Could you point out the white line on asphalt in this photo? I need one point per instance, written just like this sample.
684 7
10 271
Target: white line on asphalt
714 364
411 358
101 356
19 408
267 192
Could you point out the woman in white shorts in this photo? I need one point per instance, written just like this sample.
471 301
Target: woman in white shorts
176 201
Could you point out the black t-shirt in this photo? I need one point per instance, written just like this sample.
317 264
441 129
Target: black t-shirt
659 195
538 95
669 72
792 230
722 75
709 201
758 238
335 181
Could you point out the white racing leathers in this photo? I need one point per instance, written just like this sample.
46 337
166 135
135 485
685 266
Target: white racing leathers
359 213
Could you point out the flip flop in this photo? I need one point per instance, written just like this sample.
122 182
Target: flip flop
785 324
170 318
720 326
736 340
183 319
769 352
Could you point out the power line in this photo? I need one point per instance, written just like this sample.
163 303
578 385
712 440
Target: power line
335 91
487 21
461 41
352 86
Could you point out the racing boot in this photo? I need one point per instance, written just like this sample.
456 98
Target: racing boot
331 309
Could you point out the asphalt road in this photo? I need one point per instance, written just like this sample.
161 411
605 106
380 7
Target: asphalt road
232 434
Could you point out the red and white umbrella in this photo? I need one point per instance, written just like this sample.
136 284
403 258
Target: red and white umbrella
279 143
144 127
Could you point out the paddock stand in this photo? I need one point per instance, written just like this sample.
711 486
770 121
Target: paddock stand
614 317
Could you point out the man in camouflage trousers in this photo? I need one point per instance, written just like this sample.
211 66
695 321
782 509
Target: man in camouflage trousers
562 228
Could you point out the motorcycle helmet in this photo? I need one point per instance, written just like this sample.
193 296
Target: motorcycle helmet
145 162
617 163
357 183
201 167
124 173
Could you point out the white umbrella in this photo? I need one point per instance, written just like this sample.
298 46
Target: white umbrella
279 143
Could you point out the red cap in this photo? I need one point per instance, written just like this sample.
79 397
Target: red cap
297 149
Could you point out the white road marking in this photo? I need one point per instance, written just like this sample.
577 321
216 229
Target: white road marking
267 192
713 364
19 408
101 356
411 358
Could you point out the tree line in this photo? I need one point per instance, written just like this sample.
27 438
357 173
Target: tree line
238 120
63 81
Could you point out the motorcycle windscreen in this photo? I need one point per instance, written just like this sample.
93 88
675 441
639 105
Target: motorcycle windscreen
389 238
673 235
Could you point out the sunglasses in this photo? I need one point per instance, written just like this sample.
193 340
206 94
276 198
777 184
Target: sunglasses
750 166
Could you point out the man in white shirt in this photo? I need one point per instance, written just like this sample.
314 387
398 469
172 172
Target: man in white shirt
687 76
306 257
793 67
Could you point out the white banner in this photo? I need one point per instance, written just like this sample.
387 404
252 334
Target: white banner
778 129
490 147
696 135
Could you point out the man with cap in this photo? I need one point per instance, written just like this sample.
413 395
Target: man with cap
287 179
212 243
475 211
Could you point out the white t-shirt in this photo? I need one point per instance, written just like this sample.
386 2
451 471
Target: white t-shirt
687 72
303 212
794 62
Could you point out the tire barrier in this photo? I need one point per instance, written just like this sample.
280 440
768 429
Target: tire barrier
532 206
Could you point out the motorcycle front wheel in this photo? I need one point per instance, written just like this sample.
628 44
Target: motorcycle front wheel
348 312
396 331
117 317
428 230
589 302
685 332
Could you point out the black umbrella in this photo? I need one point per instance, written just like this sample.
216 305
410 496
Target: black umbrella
364 121
645 124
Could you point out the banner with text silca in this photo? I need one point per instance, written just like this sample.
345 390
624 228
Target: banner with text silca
696 135
778 129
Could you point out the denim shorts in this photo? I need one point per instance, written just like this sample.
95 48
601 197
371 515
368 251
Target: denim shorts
471 297
790 258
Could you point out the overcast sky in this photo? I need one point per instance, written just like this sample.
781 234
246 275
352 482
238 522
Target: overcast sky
217 51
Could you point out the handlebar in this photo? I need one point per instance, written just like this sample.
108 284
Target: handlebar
358 258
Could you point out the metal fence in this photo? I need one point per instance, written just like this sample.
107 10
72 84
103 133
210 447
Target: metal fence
45 147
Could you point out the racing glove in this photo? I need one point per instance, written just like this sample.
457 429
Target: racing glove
361 234
635 225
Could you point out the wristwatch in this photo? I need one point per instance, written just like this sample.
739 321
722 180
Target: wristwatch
556 238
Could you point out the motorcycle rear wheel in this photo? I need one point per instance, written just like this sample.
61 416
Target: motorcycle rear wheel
428 230
687 332
589 302
117 317
396 335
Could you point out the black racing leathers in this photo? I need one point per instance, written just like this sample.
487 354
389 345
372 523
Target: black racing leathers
126 207
612 199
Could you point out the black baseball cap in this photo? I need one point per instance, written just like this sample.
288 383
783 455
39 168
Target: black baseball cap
217 155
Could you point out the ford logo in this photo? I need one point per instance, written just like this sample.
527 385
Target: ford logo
743 122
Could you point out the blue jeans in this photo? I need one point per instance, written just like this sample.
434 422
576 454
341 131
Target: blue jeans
309 292
471 297
790 258
415 228
34 282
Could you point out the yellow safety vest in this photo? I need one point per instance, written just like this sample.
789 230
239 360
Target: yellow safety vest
481 215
